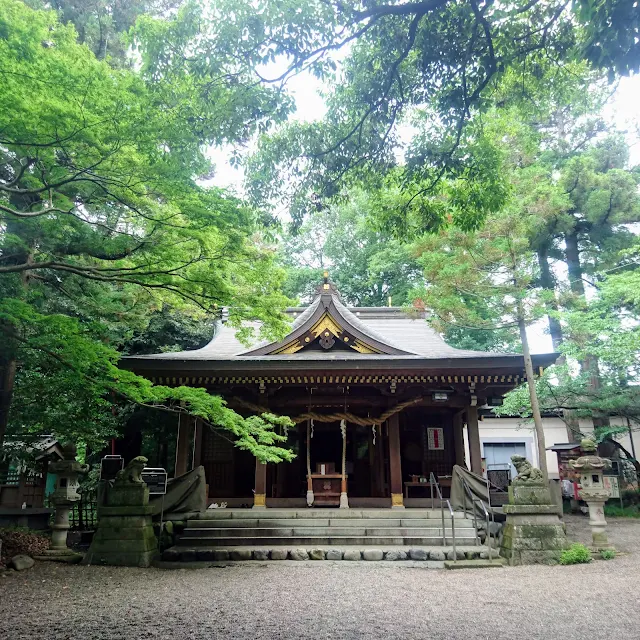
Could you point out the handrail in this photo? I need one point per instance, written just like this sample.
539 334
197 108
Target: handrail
486 516
433 482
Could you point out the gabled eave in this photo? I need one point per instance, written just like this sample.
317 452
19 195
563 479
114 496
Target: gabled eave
331 319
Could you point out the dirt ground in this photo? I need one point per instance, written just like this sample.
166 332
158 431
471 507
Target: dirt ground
336 600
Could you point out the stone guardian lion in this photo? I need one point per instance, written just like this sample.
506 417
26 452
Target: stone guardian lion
527 473
132 473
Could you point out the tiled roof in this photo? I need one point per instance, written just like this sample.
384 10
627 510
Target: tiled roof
387 324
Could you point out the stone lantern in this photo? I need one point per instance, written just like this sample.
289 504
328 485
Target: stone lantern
66 493
592 490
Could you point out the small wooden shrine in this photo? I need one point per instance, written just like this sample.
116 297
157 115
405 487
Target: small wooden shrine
379 400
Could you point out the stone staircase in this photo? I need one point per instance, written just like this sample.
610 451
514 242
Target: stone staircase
218 533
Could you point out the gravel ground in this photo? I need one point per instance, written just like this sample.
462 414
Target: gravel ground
333 600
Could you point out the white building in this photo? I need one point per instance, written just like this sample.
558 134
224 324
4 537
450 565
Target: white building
500 438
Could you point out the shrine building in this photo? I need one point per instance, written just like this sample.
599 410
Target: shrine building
379 400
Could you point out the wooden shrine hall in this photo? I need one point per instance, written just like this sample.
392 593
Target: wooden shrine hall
380 402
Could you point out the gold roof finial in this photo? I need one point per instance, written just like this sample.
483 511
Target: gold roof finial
325 284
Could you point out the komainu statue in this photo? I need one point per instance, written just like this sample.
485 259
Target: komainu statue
527 474
131 474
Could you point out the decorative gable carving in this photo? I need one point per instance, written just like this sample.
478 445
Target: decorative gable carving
329 326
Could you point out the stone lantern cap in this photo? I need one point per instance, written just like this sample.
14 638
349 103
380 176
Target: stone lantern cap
590 461
67 471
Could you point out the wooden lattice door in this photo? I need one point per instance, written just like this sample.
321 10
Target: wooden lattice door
218 463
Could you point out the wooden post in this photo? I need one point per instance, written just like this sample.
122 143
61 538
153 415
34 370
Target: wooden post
260 492
458 439
473 431
183 452
395 465
197 449
344 499
260 486
310 496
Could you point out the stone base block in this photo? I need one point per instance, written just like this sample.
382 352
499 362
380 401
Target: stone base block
532 535
127 495
529 494
67 556
124 537
121 559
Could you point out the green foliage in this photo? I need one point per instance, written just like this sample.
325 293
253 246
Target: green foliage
438 67
106 229
607 554
493 265
616 511
366 265
631 497
610 35
102 24
68 361
576 554
169 329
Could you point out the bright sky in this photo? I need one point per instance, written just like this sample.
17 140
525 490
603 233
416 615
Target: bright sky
622 111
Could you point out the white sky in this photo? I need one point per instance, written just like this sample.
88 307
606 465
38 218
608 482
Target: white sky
622 111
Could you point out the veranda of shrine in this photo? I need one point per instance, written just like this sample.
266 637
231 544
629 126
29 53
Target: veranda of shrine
379 401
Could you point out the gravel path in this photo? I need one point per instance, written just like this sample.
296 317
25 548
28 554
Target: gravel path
333 600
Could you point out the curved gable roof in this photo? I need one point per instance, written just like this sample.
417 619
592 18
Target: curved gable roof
389 333
328 322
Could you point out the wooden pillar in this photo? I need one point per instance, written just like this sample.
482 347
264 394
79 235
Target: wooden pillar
197 449
260 492
183 450
474 440
395 465
344 499
458 439
260 486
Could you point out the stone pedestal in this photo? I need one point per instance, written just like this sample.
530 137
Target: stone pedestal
125 534
533 532
597 522
65 495
529 494
593 491
60 527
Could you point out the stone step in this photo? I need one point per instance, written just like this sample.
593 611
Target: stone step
282 532
435 554
313 541
286 514
252 523
495 563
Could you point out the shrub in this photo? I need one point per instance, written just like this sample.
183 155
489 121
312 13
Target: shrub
607 554
575 554
18 540
614 511
631 497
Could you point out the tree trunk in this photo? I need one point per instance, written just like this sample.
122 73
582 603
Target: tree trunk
548 284
590 363
7 381
631 458
533 394
572 254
